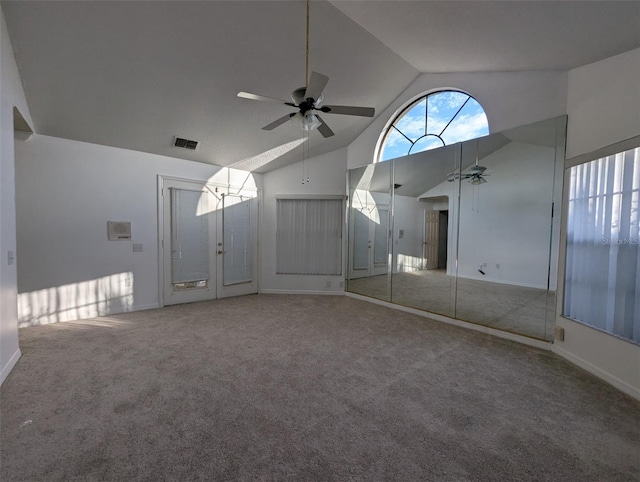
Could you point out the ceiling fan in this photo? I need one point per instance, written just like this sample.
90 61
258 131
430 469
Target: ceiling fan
307 100
475 175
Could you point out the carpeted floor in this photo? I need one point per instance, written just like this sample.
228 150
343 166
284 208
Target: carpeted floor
303 388
516 309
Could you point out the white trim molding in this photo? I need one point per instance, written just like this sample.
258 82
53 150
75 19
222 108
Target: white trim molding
597 371
9 366
544 345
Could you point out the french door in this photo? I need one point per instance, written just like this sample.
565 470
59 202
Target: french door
208 241
370 242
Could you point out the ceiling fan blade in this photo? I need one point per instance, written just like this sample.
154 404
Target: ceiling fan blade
316 85
278 122
324 128
349 110
263 98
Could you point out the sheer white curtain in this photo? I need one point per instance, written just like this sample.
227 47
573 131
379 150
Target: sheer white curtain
309 236
602 274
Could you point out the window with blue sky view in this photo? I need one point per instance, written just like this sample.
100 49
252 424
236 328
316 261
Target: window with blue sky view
435 120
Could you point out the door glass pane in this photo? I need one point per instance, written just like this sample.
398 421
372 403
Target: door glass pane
189 240
238 252
360 240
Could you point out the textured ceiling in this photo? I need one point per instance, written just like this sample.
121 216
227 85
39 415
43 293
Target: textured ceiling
135 74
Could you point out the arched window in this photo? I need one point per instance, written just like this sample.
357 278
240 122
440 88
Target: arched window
433 120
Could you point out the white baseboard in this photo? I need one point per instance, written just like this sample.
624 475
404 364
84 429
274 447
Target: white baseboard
463 324
9 366
598 372
151 306
300 292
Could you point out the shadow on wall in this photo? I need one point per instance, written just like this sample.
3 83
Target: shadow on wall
87 299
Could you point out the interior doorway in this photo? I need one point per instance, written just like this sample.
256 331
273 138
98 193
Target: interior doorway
443 238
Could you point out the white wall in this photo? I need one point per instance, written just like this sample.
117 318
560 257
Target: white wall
327 176
505 224
407 251
11 94
510 99
604 108
66 193
603 103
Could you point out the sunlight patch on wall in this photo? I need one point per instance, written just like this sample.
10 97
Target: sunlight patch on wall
406 263
87 299
236 185
264 158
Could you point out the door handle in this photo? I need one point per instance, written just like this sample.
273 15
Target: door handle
220 251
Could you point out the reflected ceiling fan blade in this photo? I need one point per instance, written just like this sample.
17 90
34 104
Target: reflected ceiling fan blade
263 98
324 128
349 110
278 122
316 85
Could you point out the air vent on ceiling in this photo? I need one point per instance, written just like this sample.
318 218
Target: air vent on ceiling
185 143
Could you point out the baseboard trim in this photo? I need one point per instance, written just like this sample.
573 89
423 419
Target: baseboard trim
300 292
598 372
463 324
151 306
9 366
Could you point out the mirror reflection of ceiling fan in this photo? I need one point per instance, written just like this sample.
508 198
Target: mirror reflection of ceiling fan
307 100
474 175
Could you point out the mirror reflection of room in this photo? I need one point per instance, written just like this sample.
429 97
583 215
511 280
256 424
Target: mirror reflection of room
471 230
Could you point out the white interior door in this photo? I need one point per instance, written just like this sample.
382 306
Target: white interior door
209 242
189 234
237 246
430 243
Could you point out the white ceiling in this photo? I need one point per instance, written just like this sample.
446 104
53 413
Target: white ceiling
134 74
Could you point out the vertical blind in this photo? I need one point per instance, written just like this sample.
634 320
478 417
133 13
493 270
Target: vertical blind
309 236
238 248
602 273
189 237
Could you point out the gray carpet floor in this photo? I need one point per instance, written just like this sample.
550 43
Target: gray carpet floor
303 388
516 309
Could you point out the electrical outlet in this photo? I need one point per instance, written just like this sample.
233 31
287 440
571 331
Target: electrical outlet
497 265
558 333
328 285
137 248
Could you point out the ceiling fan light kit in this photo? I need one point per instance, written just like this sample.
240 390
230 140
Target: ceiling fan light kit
477 180
307 99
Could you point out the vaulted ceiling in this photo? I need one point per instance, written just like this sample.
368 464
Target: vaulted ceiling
135 74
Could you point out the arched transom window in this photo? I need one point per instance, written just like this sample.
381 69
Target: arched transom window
434 120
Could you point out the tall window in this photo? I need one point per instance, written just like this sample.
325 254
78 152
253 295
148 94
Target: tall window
309 236
602 272
432 121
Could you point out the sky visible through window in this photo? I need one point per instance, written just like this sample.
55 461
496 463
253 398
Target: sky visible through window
439 119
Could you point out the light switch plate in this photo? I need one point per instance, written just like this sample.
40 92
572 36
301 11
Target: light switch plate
137 248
